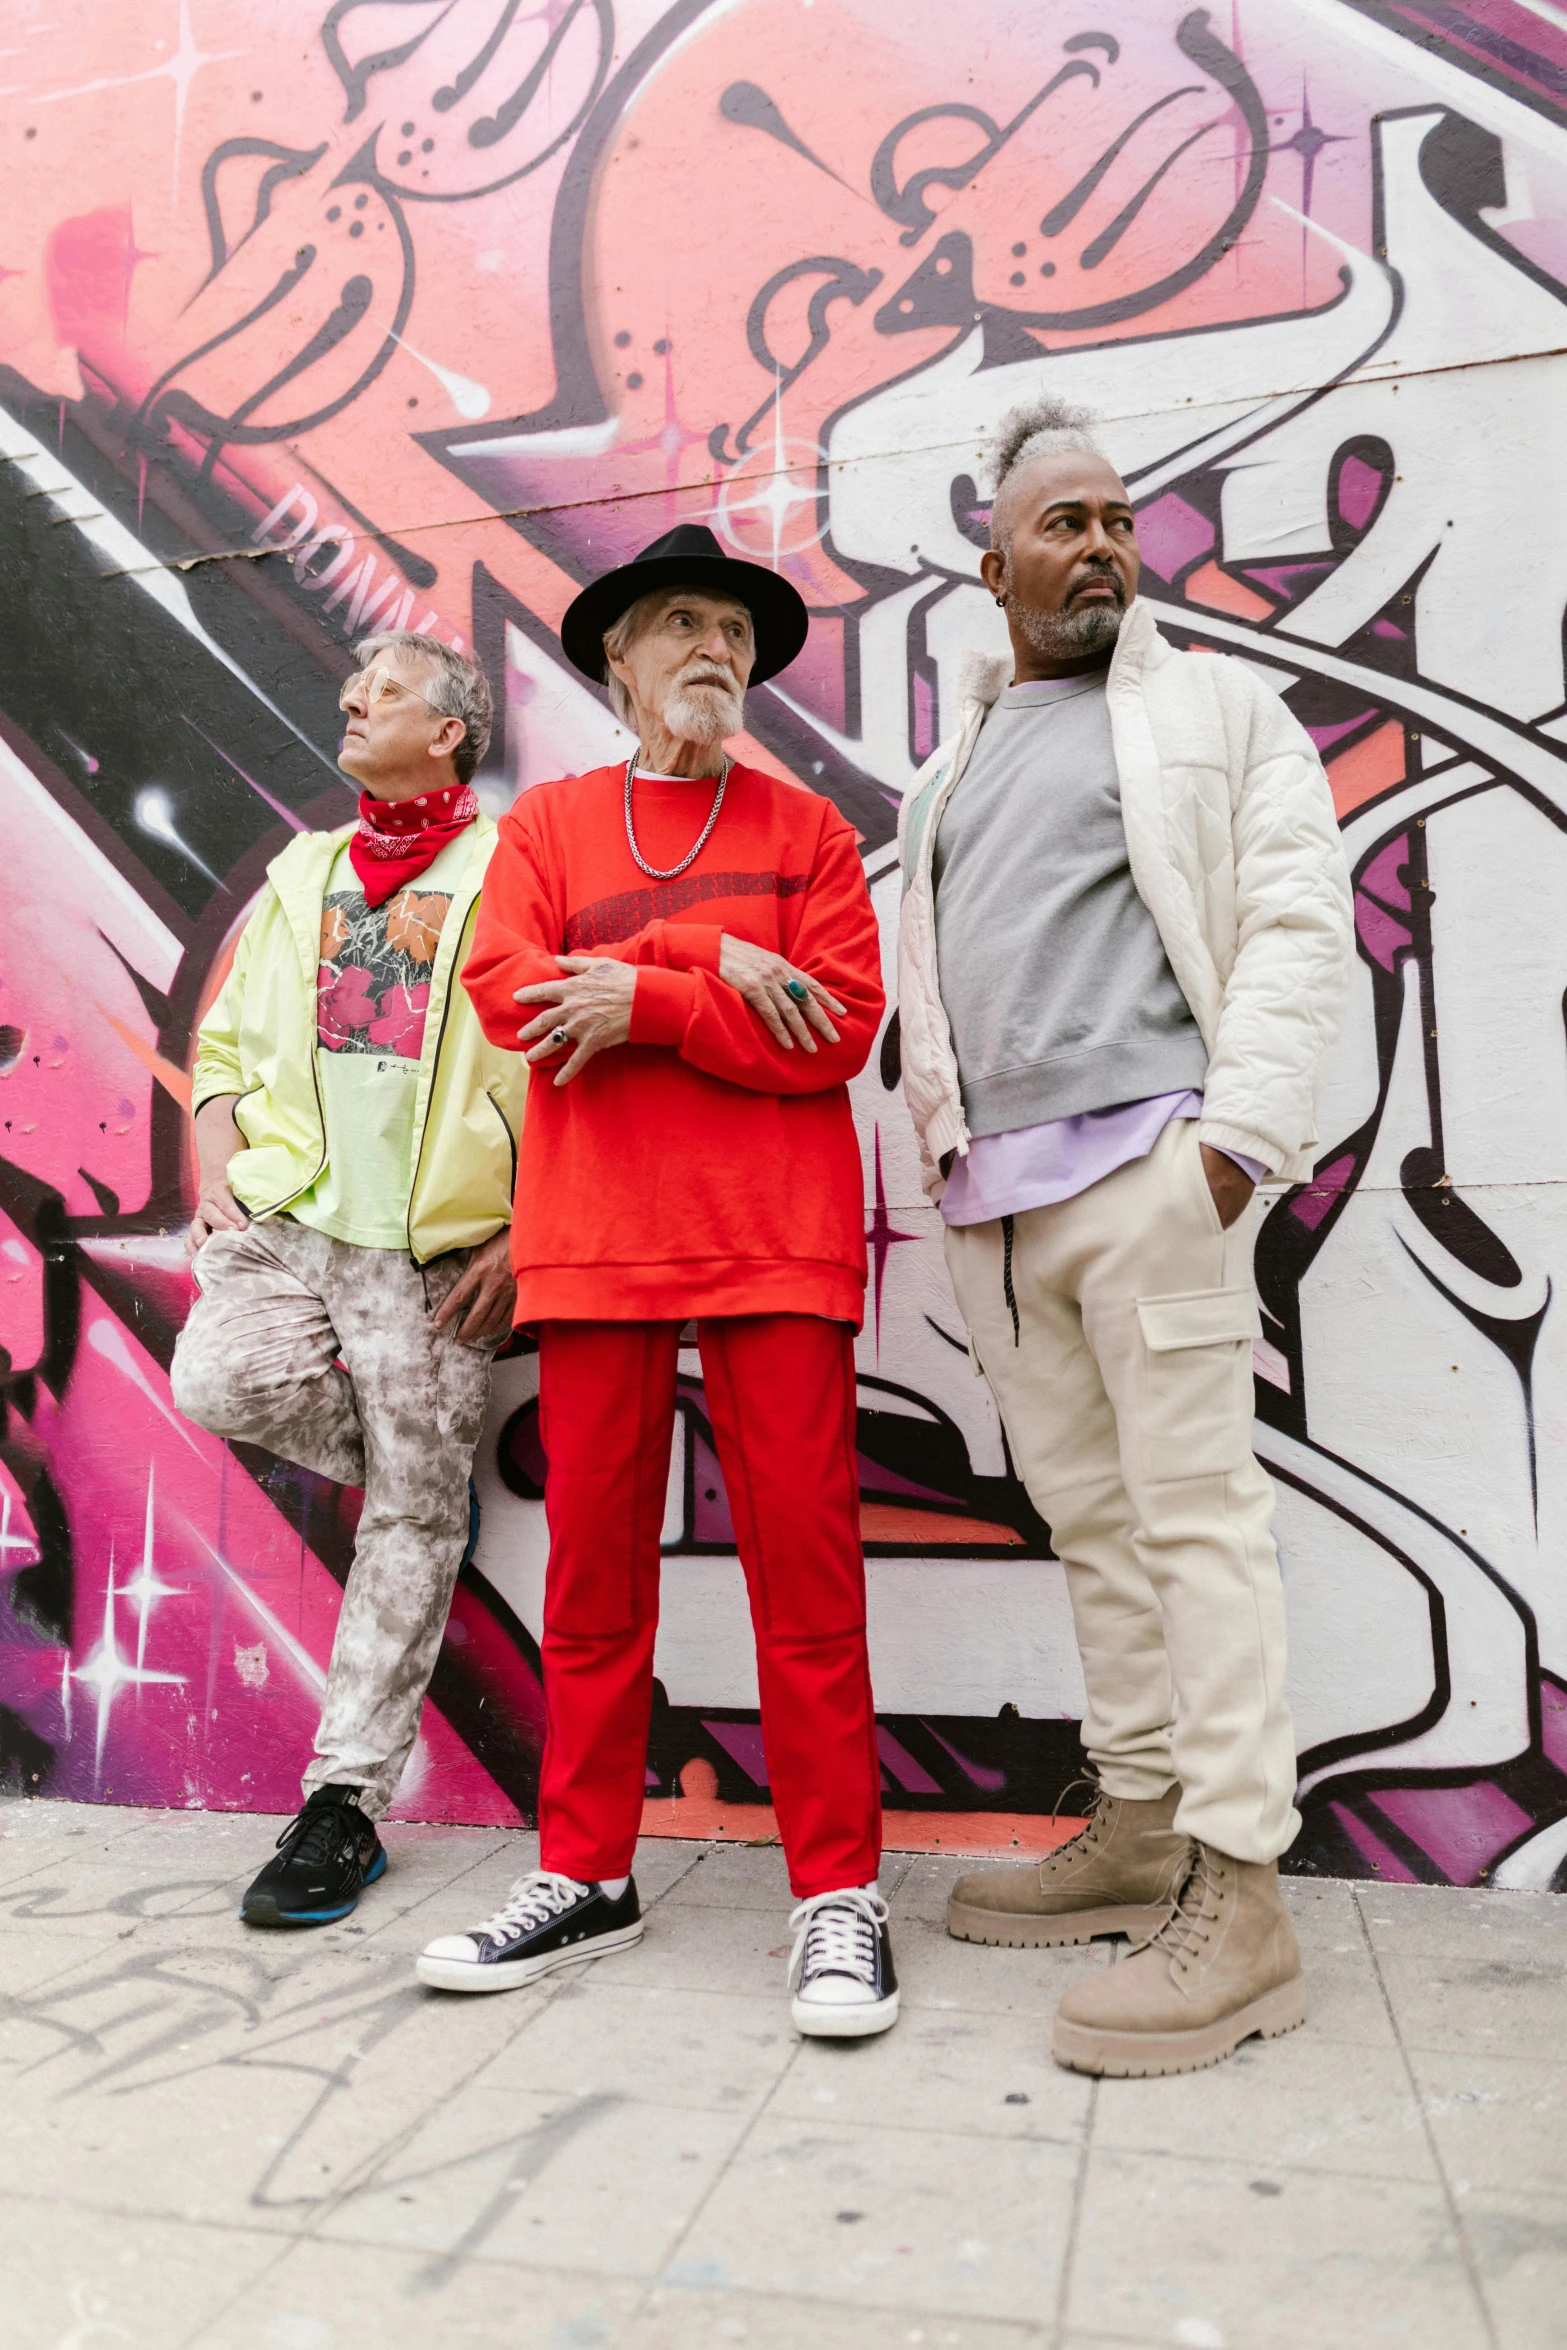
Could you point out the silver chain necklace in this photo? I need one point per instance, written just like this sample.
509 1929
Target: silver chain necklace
652 871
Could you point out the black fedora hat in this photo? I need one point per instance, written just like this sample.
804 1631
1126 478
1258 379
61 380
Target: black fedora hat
688 556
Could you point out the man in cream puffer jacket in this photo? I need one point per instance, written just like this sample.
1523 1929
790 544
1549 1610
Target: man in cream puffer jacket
1125 941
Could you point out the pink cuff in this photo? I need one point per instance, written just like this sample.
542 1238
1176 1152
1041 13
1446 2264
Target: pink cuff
693 946
661 1006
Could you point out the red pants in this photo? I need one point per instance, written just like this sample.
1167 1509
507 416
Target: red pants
780 1392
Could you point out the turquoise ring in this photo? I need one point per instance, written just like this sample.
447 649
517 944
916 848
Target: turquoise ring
798 989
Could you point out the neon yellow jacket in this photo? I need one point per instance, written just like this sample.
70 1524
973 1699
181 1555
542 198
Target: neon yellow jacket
259 1041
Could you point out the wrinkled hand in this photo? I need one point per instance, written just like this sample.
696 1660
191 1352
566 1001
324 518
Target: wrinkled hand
1230 1185
484 1294
762 980
591 1001
217 1210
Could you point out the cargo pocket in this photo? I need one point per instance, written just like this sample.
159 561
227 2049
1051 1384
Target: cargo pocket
1196 1387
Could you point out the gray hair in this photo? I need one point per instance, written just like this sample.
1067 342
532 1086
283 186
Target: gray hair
1039 428
619 640
458 689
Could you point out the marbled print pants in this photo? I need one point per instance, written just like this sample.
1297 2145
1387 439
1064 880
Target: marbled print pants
329 1355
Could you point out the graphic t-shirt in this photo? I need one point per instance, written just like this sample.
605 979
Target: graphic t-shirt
372 993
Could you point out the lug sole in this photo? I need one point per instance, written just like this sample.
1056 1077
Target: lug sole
264 1911
1141 2056
843 2023
1020 1932
461 1974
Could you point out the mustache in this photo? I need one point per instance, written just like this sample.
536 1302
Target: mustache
706 674
1091 575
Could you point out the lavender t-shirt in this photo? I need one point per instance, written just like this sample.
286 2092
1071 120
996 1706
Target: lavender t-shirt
1036 1166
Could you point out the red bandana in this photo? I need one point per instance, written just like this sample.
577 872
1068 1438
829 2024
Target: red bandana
397 839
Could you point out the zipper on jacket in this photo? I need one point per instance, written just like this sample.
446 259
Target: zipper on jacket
510 1138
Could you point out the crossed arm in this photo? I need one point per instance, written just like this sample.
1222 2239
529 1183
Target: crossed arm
592 1001
773 1023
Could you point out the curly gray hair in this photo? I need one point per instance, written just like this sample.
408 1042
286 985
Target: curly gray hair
458 689
1039 428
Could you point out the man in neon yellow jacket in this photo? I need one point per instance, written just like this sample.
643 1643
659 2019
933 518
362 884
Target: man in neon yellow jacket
356 1138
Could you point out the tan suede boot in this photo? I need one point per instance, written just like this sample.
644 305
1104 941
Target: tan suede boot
1120 1875
1225 1964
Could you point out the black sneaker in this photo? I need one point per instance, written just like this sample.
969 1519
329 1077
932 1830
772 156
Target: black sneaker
327 1855
840 1969
545 1921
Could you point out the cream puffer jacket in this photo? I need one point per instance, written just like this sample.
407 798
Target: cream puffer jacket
1235 850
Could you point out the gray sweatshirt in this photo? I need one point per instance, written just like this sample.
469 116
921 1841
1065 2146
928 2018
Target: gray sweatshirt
1053 973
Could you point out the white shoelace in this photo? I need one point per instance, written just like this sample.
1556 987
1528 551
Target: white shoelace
536 1898
835 1934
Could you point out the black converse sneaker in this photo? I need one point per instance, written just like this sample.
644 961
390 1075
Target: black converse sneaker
545 1921
840 1969
326 1857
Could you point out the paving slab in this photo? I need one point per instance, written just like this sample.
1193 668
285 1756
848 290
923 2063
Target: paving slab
603 2183
1499 2122
336 2296
944 2068
1519 2245
1295 2103
308 2151
33 1832
71 2277
1436 1921
656 2041
245 2087
884 2217
1220 2255
27 1962
1493 2003
935 1971
695 2319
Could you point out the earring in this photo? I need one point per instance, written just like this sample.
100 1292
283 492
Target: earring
1000 603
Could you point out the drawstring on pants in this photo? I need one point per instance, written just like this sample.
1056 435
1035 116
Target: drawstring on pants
1007 1290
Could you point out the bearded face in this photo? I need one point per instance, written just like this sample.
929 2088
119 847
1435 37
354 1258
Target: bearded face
705 705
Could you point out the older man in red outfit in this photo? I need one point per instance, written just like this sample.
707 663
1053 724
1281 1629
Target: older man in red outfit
687 947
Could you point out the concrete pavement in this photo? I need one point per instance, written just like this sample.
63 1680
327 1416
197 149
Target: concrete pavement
222 2140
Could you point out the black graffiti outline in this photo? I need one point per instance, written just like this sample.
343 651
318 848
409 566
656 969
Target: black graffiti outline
908 204
846 282
166 404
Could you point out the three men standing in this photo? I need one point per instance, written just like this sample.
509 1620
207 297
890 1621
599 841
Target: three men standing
1125 940
1124 944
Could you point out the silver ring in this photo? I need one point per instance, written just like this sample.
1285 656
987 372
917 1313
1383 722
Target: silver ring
560 1036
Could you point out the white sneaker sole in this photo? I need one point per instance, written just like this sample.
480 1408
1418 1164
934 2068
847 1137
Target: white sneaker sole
818 2022
467 1974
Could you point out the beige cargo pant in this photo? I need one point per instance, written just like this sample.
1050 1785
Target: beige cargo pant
281 1308
1126 1392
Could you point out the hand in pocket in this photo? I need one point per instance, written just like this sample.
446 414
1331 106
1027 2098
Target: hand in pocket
1230 1185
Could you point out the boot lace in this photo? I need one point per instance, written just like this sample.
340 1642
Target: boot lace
835 1934
1087 1836
536 1898
1189 1927
314 1834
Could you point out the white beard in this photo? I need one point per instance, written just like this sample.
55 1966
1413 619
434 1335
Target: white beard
704 713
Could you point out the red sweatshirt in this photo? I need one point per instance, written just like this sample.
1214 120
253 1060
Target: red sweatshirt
698 1168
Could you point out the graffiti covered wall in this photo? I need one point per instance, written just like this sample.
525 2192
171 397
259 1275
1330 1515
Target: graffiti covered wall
419 312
